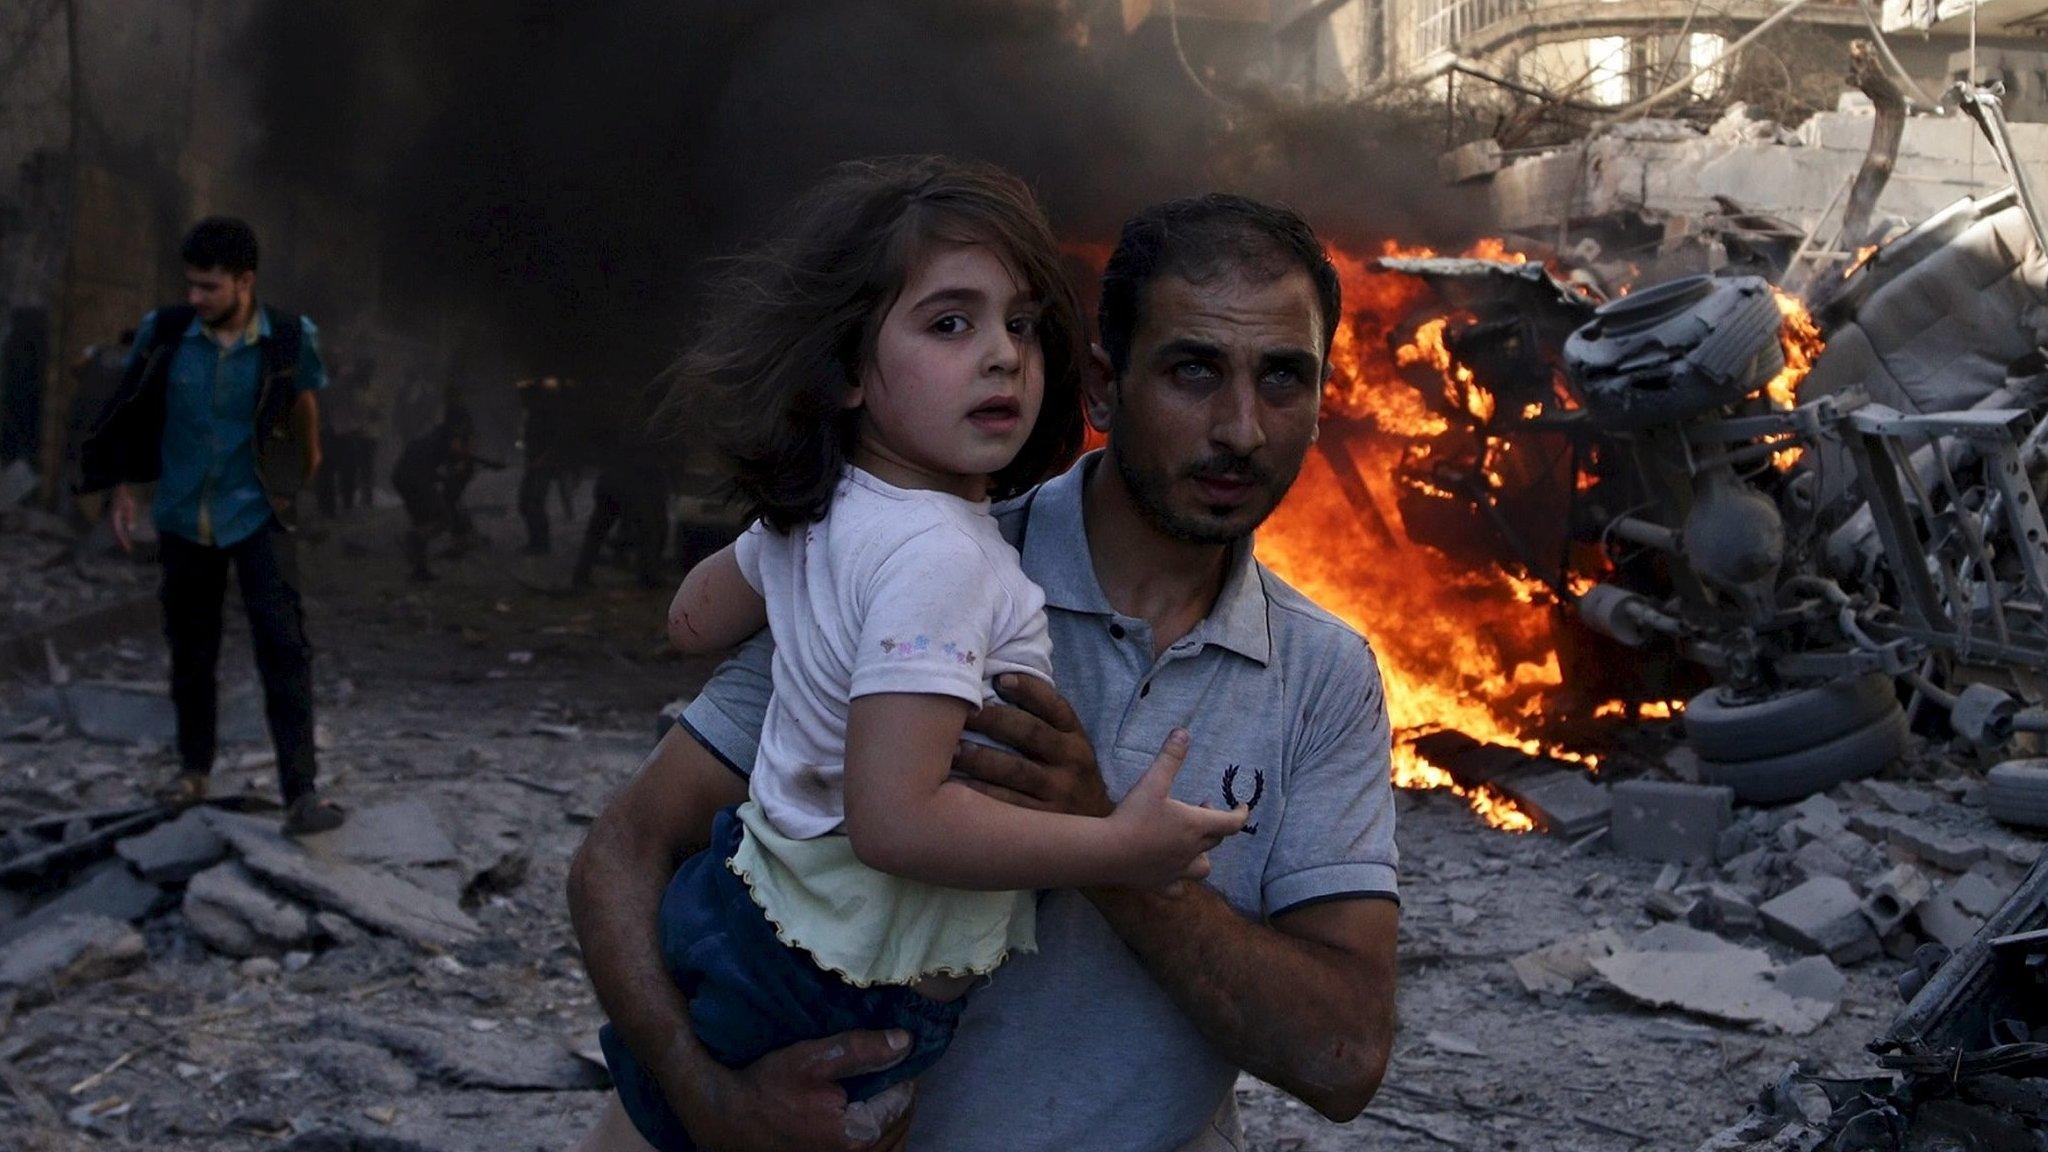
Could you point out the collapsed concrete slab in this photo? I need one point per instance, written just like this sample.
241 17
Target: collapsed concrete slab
1702 974
376 899
1823 915
73 949
174 852
236 915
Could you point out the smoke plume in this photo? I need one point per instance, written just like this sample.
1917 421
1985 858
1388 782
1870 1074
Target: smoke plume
563 168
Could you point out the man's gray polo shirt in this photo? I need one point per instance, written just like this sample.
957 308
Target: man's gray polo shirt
1075 1048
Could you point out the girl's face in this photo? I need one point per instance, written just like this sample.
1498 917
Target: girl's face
957 377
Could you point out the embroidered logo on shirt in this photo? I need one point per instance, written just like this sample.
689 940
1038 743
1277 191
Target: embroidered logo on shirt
1230 799
920 647
911 649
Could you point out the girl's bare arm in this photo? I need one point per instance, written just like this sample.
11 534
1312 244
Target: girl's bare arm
906 818
715 608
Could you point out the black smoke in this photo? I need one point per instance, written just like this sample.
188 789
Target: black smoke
562 169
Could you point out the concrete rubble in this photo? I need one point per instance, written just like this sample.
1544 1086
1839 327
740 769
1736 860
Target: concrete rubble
1671 170
1698 972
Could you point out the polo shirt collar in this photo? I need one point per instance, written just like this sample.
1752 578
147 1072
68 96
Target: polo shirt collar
1056 558
258 329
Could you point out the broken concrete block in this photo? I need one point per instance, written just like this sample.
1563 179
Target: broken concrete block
1894 896
174 852
1933 846
1710 977
1822 915
1816 858
237 916
1818 811
1663 905
1875 827
1734 841
1562 803
1557 968
72 949
109 890
1980 891
1944 923
1899 798
1661 820
1730 908
378 900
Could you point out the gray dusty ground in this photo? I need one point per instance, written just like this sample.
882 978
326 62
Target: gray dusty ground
435 693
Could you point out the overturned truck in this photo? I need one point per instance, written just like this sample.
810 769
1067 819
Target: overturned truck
1826 564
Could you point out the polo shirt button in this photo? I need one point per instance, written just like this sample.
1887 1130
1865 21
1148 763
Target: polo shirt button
1116 630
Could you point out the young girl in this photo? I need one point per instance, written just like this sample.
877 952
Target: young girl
906 351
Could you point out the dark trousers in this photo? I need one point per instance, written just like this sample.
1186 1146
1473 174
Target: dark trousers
533 503
194 587
643 504
751 994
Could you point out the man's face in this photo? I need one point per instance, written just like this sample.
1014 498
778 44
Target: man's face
1217 407
216 293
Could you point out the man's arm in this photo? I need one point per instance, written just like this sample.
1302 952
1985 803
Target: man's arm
1305 1003
788 1100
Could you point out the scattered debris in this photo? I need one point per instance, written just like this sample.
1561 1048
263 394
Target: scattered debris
1558 968
1698 972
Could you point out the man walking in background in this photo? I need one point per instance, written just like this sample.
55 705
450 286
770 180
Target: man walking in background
216 406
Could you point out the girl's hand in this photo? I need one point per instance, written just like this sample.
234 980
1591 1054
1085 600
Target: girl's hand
1162 840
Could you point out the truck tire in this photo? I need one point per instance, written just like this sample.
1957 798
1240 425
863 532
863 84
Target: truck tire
1787 723
2017 793
1795 775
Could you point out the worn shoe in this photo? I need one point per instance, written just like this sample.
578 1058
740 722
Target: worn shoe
310 814
183 790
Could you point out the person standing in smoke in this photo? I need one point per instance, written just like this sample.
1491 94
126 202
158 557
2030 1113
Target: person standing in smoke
632 489
430 476
546 442
217 407
344 444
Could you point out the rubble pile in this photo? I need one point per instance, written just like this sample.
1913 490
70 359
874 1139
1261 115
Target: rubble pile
1963 1065
240 887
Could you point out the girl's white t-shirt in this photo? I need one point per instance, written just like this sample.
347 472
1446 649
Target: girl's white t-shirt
895 590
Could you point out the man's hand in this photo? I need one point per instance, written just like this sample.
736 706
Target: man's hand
121 513
1050 767
790 1099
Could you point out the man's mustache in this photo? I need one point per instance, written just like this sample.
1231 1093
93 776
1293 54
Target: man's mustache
1235 469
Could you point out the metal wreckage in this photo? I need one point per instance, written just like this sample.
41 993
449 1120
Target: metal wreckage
1813 560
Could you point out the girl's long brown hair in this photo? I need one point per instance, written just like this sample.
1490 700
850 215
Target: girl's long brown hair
789 326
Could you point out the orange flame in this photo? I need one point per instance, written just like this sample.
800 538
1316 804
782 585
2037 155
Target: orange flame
1459 649
1801 339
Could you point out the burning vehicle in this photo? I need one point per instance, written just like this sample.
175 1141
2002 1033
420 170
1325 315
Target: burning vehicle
1804 522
